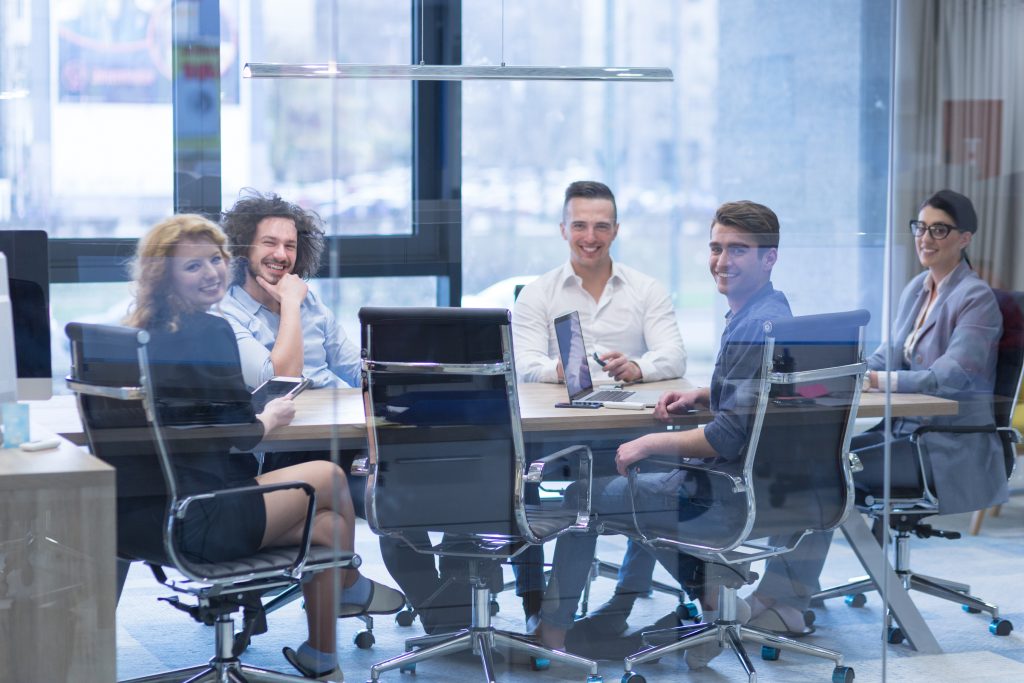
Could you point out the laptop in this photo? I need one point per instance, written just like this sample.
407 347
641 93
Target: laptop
576 368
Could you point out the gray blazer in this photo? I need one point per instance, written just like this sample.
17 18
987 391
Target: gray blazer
954 357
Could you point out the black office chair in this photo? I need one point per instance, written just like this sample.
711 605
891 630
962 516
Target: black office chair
446 455
794 479
909 507
112 378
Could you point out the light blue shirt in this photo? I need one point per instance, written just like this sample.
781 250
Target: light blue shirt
329 358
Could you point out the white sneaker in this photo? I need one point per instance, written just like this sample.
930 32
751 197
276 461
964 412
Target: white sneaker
697 657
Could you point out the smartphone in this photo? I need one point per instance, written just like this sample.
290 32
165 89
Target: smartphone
599 361
579 404
276 387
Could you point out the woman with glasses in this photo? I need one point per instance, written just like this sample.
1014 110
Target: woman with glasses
944 343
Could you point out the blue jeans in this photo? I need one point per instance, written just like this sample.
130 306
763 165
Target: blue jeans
659 502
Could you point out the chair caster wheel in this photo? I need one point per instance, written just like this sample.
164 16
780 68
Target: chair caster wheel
842 674
494 607
540 663
769 653
687 611
407 668
1000 627
630 677
856 600
817 602
405 617
970 610
364 640
894 636
810 616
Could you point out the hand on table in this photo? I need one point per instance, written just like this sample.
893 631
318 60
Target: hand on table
674 403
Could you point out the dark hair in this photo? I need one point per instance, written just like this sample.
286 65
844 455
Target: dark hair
240 223
750 217
959 208
589 189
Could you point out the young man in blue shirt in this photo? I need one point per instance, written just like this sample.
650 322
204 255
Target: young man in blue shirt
743 249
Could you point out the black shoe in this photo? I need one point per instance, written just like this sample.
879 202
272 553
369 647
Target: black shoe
610 618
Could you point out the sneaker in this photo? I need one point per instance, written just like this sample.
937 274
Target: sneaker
697 657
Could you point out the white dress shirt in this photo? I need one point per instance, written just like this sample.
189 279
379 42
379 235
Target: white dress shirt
634 316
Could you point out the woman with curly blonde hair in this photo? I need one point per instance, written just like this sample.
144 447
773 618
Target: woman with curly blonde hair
181 272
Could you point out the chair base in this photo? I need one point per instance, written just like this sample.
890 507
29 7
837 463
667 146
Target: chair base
730 633
481 638
223 668
952 591
220 672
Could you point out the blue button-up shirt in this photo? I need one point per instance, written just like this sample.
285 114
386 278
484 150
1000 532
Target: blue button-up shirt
737 371
329 358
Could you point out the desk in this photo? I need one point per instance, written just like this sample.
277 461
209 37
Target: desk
57 552
335 417
325 416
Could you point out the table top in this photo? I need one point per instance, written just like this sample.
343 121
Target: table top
65 465
325 415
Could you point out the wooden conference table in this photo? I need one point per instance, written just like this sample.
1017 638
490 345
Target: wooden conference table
333 418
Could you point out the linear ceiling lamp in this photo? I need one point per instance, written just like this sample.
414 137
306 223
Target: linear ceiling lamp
457 72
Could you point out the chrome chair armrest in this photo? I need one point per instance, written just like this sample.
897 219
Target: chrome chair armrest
951 429
737 482
181 509
540 467
361 467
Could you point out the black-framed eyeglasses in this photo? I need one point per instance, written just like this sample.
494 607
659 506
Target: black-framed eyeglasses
938 231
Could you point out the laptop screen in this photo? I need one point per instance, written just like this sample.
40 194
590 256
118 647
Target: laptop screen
572 350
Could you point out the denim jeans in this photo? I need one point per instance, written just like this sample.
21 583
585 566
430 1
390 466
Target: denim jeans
658 503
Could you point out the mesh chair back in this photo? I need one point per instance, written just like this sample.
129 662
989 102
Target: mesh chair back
446 448
798 468
796 407
117 428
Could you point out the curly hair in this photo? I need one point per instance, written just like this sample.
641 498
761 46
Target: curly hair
155 304
241 221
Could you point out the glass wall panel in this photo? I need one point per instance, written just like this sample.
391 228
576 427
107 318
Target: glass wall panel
342 148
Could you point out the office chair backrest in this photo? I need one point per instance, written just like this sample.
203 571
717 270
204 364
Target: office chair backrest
797 409
796 460
107 357
1009 370
443 421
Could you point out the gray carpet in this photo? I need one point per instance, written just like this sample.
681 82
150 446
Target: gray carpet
152 636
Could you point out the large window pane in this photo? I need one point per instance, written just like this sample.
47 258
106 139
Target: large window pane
341 147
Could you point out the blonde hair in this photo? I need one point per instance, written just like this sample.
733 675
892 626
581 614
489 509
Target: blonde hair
156 305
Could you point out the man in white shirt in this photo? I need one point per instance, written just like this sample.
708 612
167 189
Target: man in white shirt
627 317
628 321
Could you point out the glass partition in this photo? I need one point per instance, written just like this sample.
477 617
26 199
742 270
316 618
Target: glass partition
797 200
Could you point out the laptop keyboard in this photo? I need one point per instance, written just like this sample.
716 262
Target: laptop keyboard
610 395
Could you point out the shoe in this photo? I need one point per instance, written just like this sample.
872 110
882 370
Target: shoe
532 624
383 600
335 675
783 620
699 656
610 618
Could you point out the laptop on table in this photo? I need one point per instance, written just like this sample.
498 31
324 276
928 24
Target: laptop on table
576 368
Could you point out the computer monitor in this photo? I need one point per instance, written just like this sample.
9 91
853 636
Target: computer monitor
8 371
28 282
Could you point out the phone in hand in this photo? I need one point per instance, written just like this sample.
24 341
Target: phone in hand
600 362
276 387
